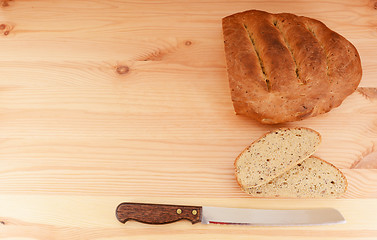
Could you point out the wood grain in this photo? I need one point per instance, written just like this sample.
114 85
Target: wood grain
109 101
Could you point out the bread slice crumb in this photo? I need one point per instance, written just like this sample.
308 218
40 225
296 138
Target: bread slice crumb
273 154
313 178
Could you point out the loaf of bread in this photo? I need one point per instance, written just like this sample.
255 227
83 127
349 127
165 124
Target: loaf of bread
283 67
274 153
313 178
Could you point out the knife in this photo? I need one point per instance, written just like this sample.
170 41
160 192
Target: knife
163 213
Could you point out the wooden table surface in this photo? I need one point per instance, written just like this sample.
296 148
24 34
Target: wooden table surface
109 101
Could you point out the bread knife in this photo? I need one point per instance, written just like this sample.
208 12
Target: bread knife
163 213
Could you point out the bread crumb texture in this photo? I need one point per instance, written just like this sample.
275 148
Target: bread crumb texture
273 154
313 178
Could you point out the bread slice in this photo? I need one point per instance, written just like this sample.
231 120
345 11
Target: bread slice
273 154
313 178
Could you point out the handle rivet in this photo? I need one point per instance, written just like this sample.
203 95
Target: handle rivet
179 211
194 212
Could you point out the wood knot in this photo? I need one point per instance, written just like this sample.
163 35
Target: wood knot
122 69
368 92
373 4
5 3
5 29
188 43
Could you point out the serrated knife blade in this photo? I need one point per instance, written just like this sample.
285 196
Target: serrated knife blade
271 217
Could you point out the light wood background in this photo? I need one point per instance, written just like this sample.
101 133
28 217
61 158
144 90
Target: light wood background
109 101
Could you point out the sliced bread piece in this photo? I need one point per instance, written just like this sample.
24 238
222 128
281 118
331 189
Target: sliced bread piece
313 178
275 153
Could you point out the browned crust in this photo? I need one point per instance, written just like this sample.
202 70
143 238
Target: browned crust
283 67
270 132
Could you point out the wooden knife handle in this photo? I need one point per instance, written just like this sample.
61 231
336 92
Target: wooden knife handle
157 213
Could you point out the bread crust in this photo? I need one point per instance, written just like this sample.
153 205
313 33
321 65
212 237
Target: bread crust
283 67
